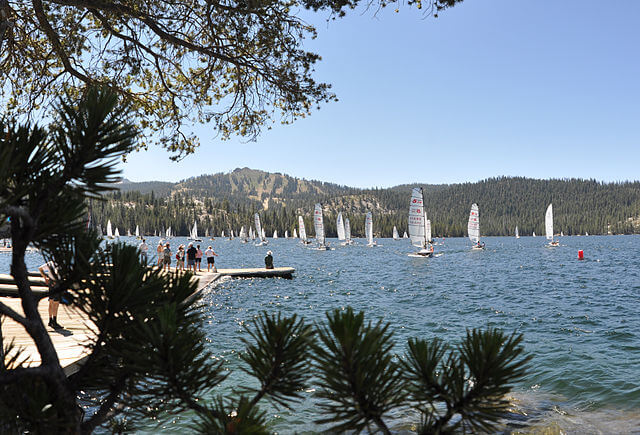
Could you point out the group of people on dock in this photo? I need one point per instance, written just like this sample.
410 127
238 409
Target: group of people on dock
192 254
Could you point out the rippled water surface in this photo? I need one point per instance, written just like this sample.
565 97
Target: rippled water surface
580 319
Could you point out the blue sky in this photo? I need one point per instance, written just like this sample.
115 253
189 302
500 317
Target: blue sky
535 88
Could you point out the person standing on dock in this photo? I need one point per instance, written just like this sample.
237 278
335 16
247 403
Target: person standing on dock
49 272
198 259
211 262
180 258
191 258
144 249
160 251
268 261
166 257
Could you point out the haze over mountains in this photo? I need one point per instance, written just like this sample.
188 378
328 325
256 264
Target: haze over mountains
229 200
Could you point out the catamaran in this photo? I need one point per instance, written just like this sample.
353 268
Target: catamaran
396 236
259 231
517 234
548 226
318 225
194 233
418 225
474 227
303 233
368 230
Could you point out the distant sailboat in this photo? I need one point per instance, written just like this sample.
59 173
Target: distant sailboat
548 226
340 227
128 233
405 235
534 234
347 232
517 234
194 233
259 231
586 233
222 234
318 225
286 234
473 227
368 230
418 225
137 232
303 233
243 235
109 230
295 234
275 234
168 233
396 236
117 233
428 230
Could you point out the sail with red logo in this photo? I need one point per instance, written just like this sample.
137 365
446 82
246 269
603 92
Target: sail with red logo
417 224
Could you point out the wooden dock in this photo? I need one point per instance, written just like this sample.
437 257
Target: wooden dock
70 342
259 272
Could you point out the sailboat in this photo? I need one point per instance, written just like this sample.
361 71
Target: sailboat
340 228
303 233
259 231
167 234
548 226
117 233
109 230
243 235
222 234
286 234
517 234
138 232
418 225
428 231
474 227
368 230
318 225
405 235
347 232
194 233
128 233
275 234
396 236
295 234
586 233
534 234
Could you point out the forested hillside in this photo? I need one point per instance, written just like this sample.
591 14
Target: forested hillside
228 201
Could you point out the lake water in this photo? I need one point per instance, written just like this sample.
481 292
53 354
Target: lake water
579 318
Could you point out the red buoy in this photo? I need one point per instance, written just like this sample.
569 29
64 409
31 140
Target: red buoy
580 255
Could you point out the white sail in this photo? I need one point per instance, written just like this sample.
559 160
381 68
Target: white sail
474 224
303 233
405 235
222 233
295 233
168 233
275 234
417 217
256 219
194 230
117 233
243 233
318 224
128 233
548 222
286 234
368 228
109 230
396 236
347 230
340 227
263 234
137 231
534 234
517 234
427 231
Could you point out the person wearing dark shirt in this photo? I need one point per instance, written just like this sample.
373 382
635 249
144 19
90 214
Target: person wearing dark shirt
191 258
268 261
